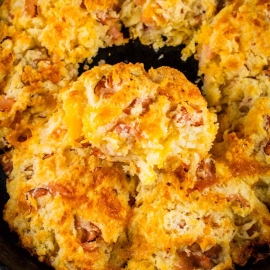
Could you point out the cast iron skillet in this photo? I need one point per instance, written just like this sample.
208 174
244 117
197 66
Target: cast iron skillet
12 256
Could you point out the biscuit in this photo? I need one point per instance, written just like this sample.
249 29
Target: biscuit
149 121
73 31
170 23
208 228
123 168
30 83
232 48
67 206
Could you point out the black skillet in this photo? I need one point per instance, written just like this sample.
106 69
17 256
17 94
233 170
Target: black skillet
12 256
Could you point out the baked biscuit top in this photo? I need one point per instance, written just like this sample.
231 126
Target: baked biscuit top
148 120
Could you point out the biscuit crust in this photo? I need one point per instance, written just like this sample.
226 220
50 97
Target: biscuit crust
150 121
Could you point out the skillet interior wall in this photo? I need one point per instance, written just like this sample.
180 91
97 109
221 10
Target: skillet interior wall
14 257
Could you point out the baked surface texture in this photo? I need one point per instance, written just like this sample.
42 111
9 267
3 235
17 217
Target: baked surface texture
167 22
233 55
72 30
125 168
234 58
149 121
30 82
68 206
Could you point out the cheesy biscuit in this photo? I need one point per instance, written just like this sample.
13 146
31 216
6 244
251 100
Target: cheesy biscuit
148 121
67 206
72 30
170 23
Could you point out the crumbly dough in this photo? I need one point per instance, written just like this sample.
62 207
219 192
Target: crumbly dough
123 168
72 31
233 50
68 206
234 56
170 23
149 121
30 80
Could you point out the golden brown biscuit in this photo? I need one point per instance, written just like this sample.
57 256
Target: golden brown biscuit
73 209
29 83
149 121
232 48
74 200
210 227
29 80
72 30
170 22
67 206
234 58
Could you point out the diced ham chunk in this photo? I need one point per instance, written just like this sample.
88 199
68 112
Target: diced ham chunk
31 8
6 162
206 175
88 234
6 103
